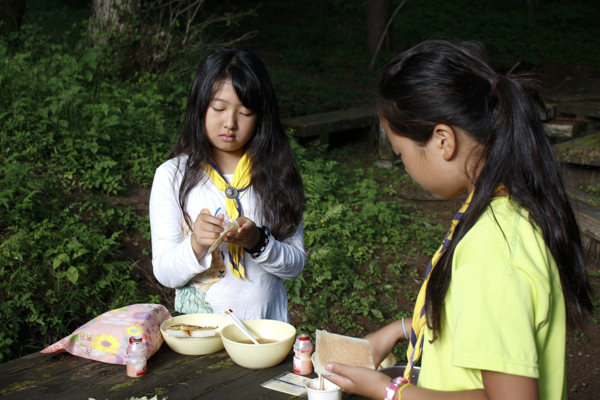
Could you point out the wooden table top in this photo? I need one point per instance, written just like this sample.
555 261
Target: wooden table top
172 375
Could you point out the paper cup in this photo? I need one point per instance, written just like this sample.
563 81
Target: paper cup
331 391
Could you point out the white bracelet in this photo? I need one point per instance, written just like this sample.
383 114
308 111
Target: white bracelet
404 329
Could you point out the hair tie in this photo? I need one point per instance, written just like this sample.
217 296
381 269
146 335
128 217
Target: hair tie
497 78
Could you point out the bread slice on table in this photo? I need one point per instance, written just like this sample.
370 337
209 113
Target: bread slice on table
341 349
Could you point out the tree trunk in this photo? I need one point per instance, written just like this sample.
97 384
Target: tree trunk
111 15
12 14
378 15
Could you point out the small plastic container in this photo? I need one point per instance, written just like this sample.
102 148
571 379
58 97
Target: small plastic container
303 348
330 390
136 357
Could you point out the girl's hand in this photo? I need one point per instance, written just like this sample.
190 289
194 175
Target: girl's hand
358 380
206 230
384 340
246 236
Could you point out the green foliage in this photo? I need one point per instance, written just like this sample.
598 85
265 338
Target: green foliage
69 136
356 232
594 192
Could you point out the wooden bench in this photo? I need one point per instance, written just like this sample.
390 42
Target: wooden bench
321 125
582 151
583 108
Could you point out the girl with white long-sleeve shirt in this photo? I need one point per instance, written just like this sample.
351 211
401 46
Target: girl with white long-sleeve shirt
232 161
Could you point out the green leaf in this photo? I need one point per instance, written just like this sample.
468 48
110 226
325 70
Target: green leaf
60 259
80 252
72 275
377 313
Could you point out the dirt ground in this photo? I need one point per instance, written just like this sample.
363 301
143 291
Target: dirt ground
583 349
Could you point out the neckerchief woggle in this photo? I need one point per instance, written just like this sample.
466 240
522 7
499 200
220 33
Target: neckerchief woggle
233 207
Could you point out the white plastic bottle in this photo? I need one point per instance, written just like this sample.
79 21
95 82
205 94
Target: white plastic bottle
136 357
303 348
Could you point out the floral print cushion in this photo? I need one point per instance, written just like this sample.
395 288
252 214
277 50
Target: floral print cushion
105 338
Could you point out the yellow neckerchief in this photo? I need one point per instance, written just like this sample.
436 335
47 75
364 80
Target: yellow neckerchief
240 182
419 322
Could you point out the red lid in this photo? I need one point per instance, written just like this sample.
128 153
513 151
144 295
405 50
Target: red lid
304 336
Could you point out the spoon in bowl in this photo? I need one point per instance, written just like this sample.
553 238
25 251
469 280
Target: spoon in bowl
229 314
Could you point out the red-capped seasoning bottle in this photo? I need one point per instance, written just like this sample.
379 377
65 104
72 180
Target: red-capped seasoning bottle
303 348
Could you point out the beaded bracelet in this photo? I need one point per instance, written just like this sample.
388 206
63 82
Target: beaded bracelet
392 388
263 241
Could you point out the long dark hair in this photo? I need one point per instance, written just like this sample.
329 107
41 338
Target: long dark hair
444 82
275 178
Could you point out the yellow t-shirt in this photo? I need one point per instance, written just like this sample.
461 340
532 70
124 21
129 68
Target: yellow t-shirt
504 310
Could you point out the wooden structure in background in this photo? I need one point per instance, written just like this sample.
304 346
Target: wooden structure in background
580 156
564 127
321 125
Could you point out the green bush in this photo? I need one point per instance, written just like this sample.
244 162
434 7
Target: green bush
70 136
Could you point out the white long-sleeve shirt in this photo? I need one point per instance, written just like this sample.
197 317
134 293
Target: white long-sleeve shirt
207 285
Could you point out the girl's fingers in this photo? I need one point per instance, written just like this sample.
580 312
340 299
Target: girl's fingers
340 379
358 380
246 236
207 229
208 223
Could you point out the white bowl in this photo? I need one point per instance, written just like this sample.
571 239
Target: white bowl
196 346
263 355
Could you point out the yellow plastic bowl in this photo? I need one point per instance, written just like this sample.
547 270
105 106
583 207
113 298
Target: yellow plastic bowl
387 362
196 346
263 355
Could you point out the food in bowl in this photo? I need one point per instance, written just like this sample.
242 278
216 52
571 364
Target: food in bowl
264 355
188 331
195 345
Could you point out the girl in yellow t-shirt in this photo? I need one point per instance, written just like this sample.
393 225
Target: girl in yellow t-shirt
490 319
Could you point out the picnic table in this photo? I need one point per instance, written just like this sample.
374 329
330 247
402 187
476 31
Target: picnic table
172 375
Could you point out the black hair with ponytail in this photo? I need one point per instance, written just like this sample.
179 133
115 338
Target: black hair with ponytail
275 178
445 82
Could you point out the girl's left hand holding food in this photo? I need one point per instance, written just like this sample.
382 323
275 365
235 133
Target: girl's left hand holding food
359 380
246 236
